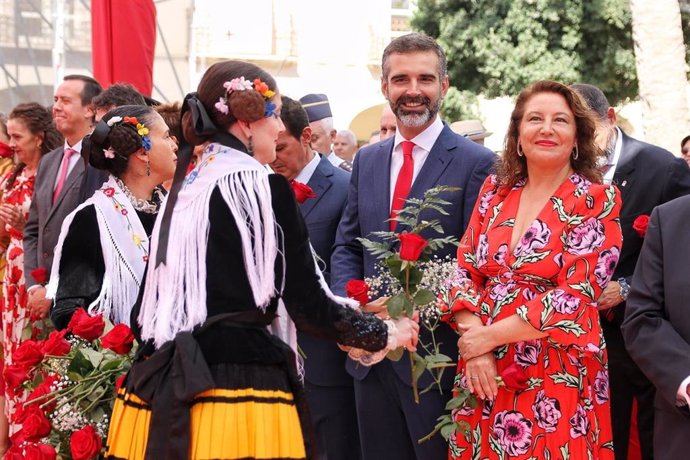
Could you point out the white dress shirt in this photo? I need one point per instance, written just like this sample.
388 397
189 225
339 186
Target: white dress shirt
608 177
305 174
423 143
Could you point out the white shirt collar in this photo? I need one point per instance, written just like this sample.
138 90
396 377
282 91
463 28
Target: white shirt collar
305 174
616 155
333 158
76 146
426 139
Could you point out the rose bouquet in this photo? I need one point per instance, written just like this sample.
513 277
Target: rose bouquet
72 378
410 279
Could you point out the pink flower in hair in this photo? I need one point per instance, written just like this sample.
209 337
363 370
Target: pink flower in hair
237 84
222 106
109 153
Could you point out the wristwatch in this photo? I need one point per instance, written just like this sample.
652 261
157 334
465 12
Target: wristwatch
625 288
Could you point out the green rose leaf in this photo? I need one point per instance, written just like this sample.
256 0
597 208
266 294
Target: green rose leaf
396 305
423 297
80 364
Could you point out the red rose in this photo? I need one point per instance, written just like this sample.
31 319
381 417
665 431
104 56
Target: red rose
358 290
109 191
85 444
39 452
411 246
640 225
302 191
14 453
40 275
85 326
56 345
15 376
42 390
119 339
35 424
515 378
28 354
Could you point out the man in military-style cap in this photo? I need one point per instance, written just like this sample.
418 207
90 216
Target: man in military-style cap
322 132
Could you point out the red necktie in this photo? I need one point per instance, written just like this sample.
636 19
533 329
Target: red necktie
64 167
404 181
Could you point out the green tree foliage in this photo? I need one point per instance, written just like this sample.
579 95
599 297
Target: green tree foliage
497 47
460 105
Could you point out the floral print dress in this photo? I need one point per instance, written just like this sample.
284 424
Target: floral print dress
551 279
15 316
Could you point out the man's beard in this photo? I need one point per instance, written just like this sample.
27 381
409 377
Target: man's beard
416 119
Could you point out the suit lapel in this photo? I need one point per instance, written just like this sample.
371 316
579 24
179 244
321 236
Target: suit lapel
320 182
624 177
45 190
72 178
381 187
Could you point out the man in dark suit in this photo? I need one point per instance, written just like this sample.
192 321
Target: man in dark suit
328 386
656 327
423 153
646 176
63 181
323 133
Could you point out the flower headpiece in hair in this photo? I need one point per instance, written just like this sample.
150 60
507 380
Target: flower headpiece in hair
241 84
141 129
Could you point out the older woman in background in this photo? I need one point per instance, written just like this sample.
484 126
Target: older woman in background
540 247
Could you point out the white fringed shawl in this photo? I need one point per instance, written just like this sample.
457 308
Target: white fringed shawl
175 293
125 248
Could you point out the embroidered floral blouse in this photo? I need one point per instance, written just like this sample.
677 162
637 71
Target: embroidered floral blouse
551 279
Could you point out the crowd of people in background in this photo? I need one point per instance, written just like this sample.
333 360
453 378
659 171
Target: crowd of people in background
551 231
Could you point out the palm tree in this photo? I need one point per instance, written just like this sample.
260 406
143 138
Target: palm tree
661 71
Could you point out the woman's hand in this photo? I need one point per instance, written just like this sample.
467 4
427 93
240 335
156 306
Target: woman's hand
377 307
12 216
480 375
474 341
406 332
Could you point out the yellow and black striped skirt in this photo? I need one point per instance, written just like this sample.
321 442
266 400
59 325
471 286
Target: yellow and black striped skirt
245 423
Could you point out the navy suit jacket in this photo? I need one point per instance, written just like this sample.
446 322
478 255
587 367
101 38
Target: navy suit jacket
453 161
325 362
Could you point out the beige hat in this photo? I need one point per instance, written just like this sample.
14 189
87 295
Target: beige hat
471 129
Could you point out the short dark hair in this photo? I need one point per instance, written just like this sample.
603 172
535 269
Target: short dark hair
117 95
171 114
294 117
91 87
412 43
594 97
685 139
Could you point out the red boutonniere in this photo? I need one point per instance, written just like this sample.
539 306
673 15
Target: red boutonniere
40 274
640 225
302 191
358 290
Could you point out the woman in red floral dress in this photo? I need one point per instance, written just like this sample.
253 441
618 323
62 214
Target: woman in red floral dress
541 245
32 134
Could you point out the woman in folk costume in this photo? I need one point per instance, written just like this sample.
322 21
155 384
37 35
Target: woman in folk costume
104 243
232 275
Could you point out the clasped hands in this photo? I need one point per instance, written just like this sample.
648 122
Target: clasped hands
12 216
476 349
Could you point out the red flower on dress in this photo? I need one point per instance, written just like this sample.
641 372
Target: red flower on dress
85 326
358 290
40 274
85 444
14 253
109 191
515 378
302 191
640 225
411 246
120 339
